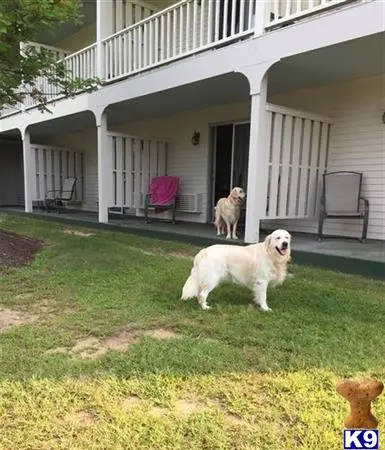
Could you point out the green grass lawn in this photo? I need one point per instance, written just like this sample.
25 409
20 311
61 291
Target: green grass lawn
111 358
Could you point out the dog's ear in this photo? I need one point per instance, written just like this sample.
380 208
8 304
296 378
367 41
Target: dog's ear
267 241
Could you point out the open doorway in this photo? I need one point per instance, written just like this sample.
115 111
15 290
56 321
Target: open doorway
11 173
230 159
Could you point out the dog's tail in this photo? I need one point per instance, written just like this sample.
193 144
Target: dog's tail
191 287
217 219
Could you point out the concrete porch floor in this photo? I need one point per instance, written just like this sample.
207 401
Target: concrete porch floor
337 253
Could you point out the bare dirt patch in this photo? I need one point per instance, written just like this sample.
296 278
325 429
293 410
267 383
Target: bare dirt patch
231 418
187 407
17 250
131 402
161 334
184 407
80 419
10 318
157 411
78 233
91 347
54 351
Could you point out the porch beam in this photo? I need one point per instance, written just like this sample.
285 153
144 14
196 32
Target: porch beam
258 163
28 169
104 170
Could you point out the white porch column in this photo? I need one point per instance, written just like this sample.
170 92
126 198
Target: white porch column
258 165
29 169
104 169
104 28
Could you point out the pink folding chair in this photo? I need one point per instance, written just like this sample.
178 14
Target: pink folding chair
162 195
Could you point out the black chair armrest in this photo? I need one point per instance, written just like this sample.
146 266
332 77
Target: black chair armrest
366 203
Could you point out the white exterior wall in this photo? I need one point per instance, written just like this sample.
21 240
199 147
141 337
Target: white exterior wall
190 163
87 143
357 143
11 174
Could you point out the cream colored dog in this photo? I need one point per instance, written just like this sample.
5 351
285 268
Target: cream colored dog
254 266
228 211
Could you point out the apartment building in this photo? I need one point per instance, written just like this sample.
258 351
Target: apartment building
266 95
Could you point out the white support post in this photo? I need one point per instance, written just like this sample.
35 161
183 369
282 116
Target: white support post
258 164
104 28
104 170
29 166
261 10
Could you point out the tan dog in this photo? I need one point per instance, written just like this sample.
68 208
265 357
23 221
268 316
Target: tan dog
254 266
228 211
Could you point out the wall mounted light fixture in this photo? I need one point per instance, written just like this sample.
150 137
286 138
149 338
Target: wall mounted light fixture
196 137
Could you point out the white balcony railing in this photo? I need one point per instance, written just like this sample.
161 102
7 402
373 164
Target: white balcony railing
185 28
281 12
82 64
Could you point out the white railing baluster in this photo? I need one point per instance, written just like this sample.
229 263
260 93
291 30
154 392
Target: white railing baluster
276 9
181 24
225 18
194 25
130 51
145 45
242 15
140 46
162 38
156 49
135 49
174 28
188 26
168 35
288 7
210 6
151 43
202 21
111 53
233 16
119 55
216 35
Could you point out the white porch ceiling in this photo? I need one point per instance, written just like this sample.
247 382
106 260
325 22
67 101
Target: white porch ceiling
352 59
221 90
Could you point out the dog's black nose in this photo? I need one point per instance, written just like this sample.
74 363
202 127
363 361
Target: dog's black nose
285 244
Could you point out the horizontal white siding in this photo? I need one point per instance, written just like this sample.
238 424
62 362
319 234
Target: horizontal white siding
357 143
11 174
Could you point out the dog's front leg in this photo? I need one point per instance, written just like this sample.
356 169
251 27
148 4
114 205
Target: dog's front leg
235 230
260 293
228 226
